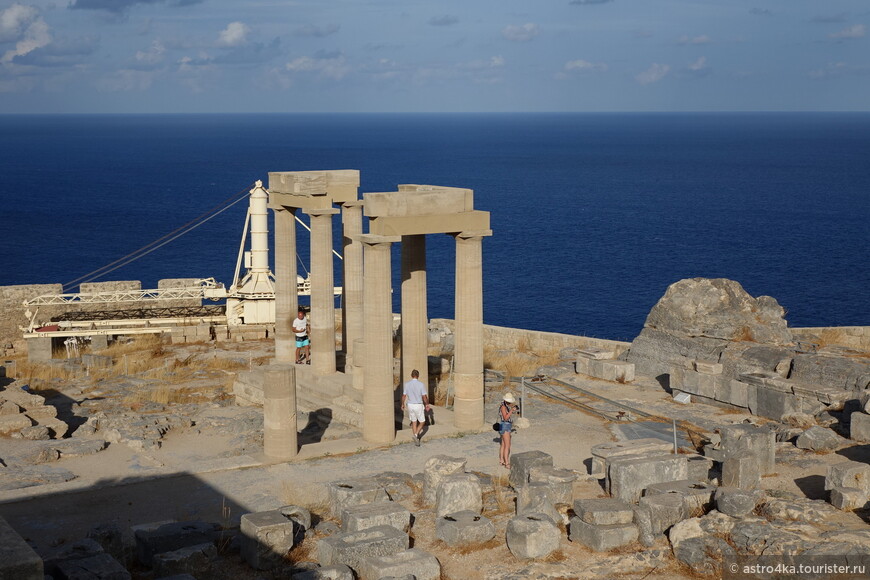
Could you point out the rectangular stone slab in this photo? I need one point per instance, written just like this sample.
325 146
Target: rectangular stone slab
17 559
350 548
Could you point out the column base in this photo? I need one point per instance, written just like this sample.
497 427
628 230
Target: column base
468 413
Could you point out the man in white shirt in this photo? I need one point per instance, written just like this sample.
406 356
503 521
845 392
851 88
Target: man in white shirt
414 395
303 343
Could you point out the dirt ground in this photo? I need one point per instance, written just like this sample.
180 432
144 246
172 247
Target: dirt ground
217 474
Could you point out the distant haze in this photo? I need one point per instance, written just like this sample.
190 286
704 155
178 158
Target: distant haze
185 56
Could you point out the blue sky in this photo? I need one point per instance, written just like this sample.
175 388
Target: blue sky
144 56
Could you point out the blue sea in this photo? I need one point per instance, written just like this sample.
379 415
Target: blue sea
593 215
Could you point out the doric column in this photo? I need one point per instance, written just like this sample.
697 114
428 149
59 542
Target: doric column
352 279
279 411
322 292
286 301
415 331
378 401
468 345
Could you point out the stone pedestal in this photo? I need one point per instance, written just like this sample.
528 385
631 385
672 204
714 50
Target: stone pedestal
279 411
379 423
415 322
286 300
322 292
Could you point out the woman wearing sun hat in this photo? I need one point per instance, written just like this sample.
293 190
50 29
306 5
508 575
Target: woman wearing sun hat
505 417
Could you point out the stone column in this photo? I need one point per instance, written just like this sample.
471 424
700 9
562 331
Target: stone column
468 347
279 411
415 321
352 279
379 422
322 292
286 300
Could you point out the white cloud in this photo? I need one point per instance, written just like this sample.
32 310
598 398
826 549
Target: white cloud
585 66
153 55
15 20
522 33
699 64
653 74
702 39
330 65
235 34
855 31
23 25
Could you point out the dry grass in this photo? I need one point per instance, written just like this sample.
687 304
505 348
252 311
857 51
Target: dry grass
518 364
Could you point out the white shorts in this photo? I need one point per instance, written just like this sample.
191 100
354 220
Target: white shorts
417 412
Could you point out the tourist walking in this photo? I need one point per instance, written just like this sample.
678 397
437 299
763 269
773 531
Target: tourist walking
303 343
415 398
505 416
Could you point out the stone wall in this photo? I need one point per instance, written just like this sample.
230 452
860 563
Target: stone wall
503 338
854 337
12 310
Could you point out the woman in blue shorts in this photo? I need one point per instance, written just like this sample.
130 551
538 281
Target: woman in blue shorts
505 416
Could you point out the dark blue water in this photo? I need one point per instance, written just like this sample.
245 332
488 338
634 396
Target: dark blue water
594 215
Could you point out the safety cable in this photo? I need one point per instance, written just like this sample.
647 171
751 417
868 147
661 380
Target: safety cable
162 241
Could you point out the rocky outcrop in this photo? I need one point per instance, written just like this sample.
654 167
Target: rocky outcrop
716 321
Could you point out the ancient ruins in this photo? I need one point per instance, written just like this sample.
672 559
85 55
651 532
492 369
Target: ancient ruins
719 437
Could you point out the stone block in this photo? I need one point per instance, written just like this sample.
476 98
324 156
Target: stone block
714 453
819 439
708 367
522 464
859 427
733 392
534 497
618 371
695 383
560 482
602 538
35 433
776 404
458 492
113 541
437 468
849 474
72 551
464 528
643 521
414 562
14 423
195 560
170 537
595 353
18 561
697 495
266 537
741 471
736 502
629 477
749 440
602 452
101 566
349 548
699 467
337 572
9 408
603 511
848 498
39 349
532 536
343 494
389 513
665 510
